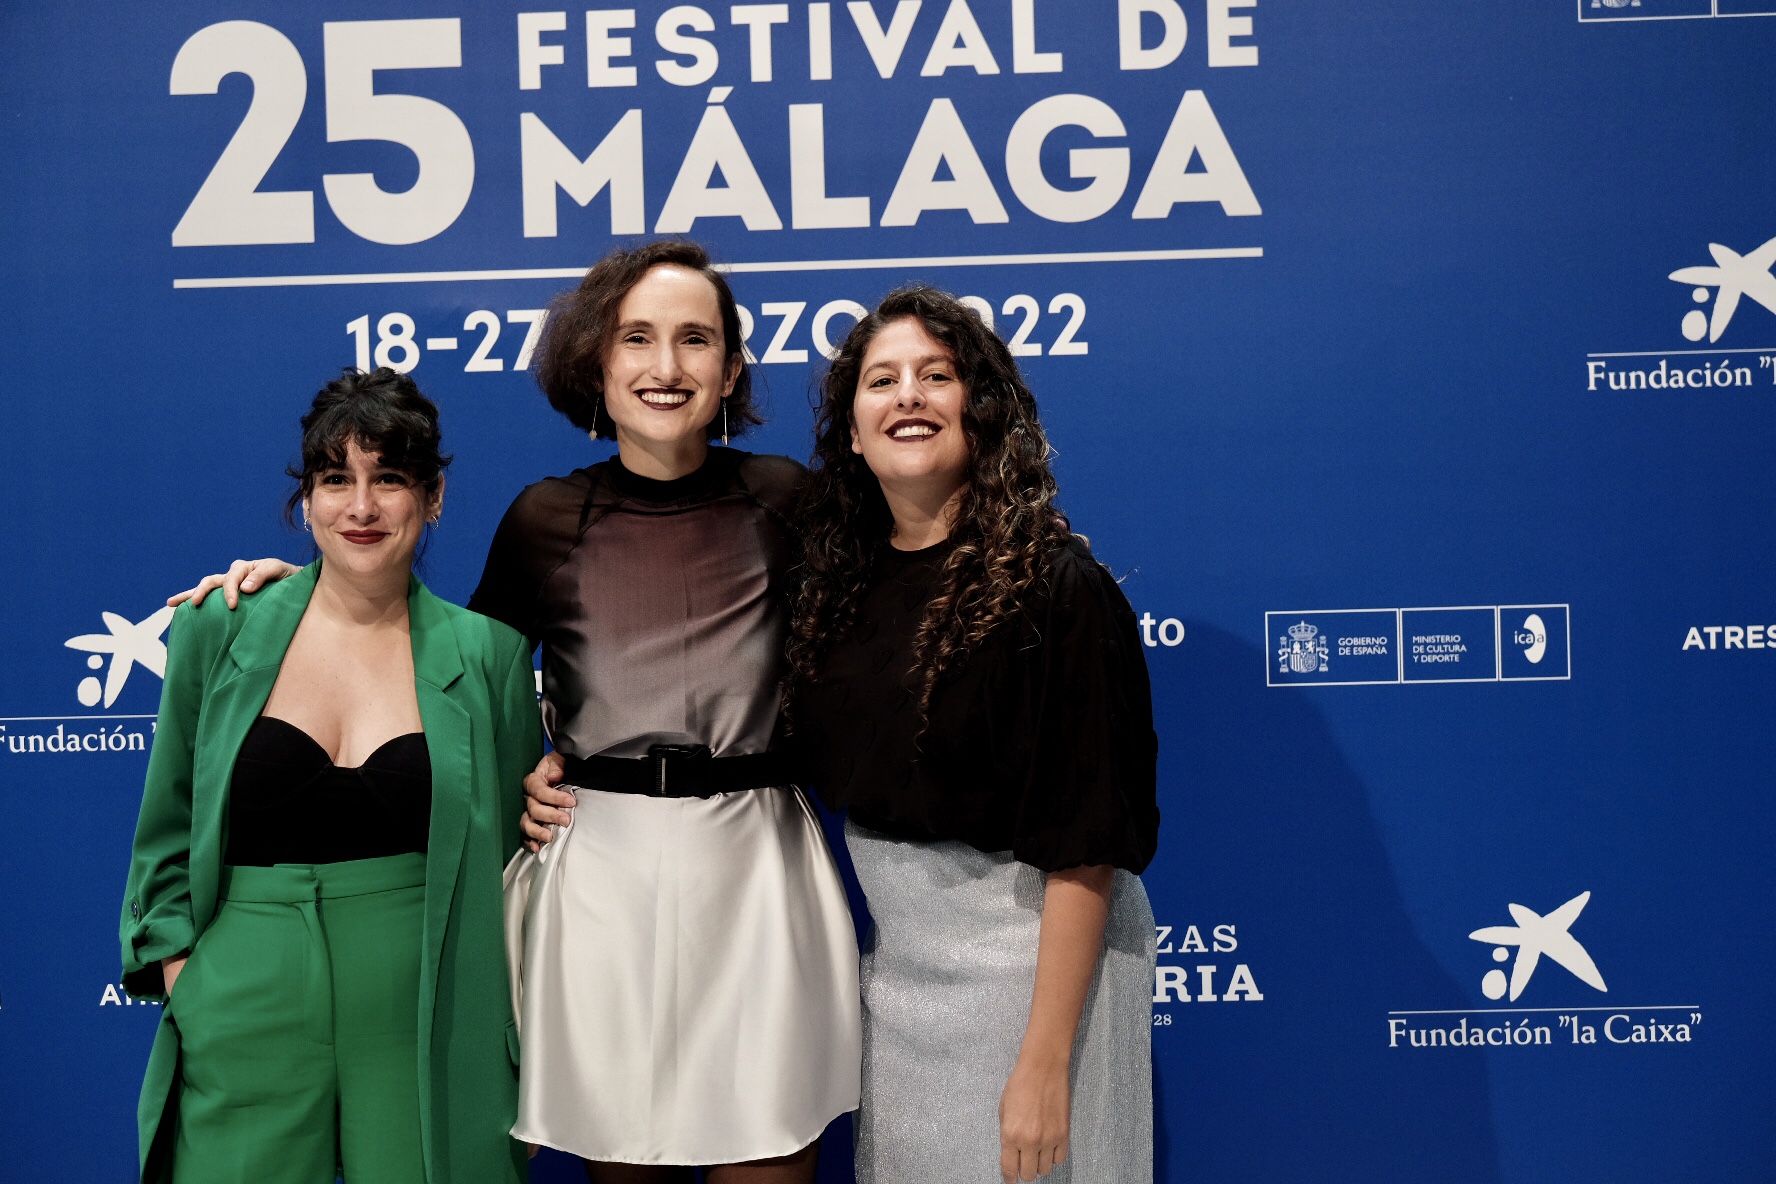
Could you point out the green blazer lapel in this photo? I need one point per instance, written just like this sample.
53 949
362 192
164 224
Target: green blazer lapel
271 620
234 701
437 668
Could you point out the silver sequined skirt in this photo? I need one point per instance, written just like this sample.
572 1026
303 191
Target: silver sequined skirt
947 980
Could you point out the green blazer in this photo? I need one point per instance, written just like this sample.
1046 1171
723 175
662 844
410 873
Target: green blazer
477 700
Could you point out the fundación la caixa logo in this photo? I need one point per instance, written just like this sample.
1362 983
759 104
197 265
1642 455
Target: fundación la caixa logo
123 646
1473 643
1731 278
112 657
1536 937
1550 1017
1721 288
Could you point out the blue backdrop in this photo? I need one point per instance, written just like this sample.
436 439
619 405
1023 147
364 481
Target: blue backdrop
1414 362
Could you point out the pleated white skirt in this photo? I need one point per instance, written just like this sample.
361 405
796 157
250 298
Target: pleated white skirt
684 973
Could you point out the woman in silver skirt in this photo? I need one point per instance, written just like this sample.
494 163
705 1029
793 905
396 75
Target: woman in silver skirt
970 687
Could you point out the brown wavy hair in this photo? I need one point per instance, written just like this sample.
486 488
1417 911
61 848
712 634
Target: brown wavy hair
1006 521
569 359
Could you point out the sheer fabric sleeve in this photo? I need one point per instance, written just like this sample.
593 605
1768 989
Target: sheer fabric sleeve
538 530
1090 794
776 481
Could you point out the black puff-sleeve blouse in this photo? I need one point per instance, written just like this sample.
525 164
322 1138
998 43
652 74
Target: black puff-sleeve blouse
1041 743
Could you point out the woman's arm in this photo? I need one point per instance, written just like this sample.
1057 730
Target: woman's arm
1088 809
156 927
1033 1110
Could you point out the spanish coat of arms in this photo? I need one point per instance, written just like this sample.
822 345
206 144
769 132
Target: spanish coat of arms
1303 651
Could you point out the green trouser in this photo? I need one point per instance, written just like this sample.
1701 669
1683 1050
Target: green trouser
298 1019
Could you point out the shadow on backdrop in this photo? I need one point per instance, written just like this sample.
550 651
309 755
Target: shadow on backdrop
1268 828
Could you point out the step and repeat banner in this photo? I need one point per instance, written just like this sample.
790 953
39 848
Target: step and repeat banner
1413 363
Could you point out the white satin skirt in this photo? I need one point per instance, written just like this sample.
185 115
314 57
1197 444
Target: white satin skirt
684 973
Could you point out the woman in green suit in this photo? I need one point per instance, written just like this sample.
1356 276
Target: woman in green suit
314 888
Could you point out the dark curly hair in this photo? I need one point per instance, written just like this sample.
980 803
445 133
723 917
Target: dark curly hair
1006 522
569 359
386 414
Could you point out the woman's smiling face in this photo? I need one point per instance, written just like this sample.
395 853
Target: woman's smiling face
667 368
906 421
367 518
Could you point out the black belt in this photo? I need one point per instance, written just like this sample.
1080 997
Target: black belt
679 771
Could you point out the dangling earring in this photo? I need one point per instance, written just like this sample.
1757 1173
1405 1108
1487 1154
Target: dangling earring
724 421
433 520
305 525
597 406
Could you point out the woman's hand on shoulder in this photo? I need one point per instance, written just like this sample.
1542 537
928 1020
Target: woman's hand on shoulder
243 575
1033 1119
545 805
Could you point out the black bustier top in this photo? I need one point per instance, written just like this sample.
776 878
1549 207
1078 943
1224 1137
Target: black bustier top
289 803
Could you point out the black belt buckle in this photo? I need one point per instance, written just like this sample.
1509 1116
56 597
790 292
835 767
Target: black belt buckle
667 755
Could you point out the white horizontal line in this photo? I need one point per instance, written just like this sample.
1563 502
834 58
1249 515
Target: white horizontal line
1680 16
1483 678
574 273
1526 1010
20 719
1451 608
1326 612
1660 353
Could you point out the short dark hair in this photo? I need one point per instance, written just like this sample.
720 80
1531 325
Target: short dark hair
569 360
386 414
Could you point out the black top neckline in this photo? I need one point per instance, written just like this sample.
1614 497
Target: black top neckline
704 481
894 559
320 748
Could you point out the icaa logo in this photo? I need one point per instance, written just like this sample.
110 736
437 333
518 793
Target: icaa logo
1533 637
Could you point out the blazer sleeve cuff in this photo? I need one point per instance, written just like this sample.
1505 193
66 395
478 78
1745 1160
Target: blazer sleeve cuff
150 941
